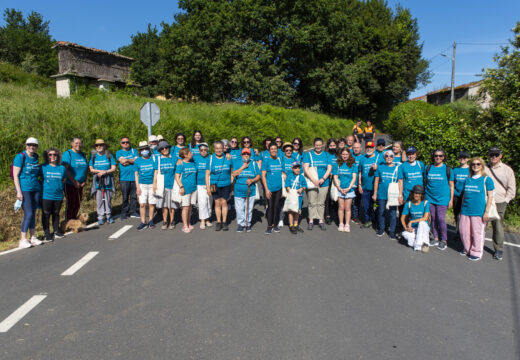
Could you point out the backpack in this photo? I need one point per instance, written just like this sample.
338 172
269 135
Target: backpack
425 177
23 163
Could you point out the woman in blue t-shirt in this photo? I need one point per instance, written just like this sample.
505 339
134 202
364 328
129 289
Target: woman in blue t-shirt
414 219
345 176
164 165
53 175
297 144
103 165
272 179
384 175
331 207
476 200
76 163
196 140
460 174
218 183
203 199
317 167
180 139
186 178
25 175
246 175
439 188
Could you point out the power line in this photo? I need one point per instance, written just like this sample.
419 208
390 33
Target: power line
502 43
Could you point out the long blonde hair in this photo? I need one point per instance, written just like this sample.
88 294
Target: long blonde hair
482 167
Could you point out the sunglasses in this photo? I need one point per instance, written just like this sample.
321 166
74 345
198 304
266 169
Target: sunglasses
476 164
100 145
125 142
296 143
246 142
388 156
494 155
52 154
33 145
233 142
438 155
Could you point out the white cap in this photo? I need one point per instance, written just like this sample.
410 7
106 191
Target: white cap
31 140
160 137
152 138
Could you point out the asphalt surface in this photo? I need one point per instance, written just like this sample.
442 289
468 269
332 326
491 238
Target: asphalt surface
207 295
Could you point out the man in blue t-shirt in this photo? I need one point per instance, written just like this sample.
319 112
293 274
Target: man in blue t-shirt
367 167
126 157
76 164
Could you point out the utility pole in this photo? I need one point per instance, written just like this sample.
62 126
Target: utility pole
453 74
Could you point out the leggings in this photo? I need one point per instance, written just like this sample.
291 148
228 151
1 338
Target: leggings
439 228
273 208
51 208
30 202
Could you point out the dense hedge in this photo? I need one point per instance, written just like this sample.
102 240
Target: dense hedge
455 127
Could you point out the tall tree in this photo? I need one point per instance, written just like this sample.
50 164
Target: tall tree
27 42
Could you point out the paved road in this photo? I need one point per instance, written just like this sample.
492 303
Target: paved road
206 295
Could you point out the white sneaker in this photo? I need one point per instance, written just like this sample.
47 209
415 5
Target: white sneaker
280 224
24 244
35 241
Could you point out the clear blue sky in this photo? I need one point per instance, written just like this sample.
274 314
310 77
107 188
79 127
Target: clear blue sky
109 24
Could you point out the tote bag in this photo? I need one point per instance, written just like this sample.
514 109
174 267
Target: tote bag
393 191
159 190
493 212
291 201
176 195
313 171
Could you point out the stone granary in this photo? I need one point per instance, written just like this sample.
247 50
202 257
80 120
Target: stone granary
81 65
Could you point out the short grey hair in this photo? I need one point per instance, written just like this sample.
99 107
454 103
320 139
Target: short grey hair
218 143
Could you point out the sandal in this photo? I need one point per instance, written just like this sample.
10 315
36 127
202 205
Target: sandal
186 229
164 226
202 226
171 227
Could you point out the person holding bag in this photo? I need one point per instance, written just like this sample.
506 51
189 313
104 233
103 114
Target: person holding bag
477 200
384 176
345 176
164 176
414 219
317 167
246 175
103 165
295 184
218 183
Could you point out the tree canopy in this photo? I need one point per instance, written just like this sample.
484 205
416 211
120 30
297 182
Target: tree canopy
346 57
26 42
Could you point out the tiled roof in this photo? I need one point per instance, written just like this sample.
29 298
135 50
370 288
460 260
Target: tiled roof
463 86
77 46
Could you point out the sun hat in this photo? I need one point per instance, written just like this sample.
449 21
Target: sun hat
152 138
160 137
286 144
203 145
31 140
143 145
163 144
99 142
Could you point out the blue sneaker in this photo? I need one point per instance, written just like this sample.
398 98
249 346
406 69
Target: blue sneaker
240 228
142 226
151 225
110 220
380 233
473 258
269 230
101 221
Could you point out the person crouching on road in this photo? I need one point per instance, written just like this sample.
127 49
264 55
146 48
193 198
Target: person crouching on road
186 178
144 173
103 165
476 200
414 219
165 165
246 175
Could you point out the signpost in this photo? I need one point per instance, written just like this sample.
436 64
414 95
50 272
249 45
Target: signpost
150 114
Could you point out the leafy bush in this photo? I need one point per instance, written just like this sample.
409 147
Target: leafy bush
14 74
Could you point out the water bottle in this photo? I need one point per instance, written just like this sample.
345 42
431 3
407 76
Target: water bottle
17 205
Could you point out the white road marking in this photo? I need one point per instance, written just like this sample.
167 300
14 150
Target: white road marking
488 239
81 262
120 232
23 310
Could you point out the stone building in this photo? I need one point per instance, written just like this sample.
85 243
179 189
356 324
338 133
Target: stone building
81 65
470 91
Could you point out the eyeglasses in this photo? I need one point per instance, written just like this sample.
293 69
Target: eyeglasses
438 155
476 164
52 154
125 142
233 142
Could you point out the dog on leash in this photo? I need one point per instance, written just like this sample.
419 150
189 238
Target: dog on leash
75 225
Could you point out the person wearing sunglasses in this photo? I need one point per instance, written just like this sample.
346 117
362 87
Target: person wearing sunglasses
196 140
234 150
279 142
204 198
297 149
126 157
505 191
75 161
26 172
476 201
439 188
165 165
367 169
218 183
460 174
53 175
384 175
331 207
103 165
272 179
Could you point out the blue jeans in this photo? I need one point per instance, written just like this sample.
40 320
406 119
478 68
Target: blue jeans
240 208
368 205
30 202
382 213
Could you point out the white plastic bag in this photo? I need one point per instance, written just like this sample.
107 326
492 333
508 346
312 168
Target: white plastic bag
291 201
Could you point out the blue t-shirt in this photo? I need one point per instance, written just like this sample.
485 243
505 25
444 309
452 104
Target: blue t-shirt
321 162
273 176
287 164
438 185
101 162
53 177
345 174
411 175
250 172
264 155
459 176
297 157
29 172
145 170
398 160
189 176
475 195
126 172
220 171
167 169
236 155
77 163
194 149
385 174
367 174
300 182
176 150
416 211
202 165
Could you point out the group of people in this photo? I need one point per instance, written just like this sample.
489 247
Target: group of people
342 182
